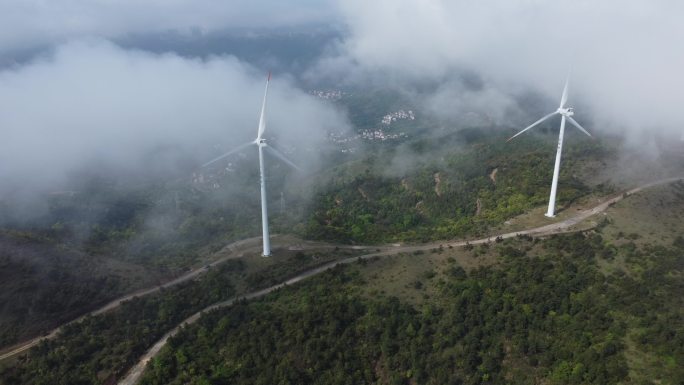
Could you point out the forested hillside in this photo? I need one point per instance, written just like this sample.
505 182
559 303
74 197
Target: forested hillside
115 234
101 348
341 192
43 284
553 318
460 184
93 245
597 307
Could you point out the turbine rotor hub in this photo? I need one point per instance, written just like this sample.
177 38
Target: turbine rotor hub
566 111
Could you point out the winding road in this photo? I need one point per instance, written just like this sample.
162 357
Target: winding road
563 226
237 250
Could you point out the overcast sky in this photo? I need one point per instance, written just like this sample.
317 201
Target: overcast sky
82 96
622 52
40 22
626 55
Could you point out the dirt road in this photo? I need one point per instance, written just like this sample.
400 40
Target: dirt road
235 250
134 374
17 349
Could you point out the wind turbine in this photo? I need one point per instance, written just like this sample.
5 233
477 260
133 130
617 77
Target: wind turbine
260 142
566 113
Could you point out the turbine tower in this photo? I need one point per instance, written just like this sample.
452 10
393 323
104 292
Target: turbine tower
566 113
260 142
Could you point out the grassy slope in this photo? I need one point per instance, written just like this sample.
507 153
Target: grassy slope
598 308
637 228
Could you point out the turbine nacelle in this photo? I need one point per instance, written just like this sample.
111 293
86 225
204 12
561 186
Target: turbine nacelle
565 111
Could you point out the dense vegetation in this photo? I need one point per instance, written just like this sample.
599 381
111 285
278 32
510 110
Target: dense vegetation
554 318
147 225
100 348
43 284
104 239
108 237
163 224
446 195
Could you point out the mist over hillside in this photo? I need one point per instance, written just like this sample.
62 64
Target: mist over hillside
119 117
122 91
397 116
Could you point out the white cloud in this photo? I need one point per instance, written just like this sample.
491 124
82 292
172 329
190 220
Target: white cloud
627 56
26 23
93 101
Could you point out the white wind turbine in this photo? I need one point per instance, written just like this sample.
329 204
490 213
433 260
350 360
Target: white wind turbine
566 113
260 142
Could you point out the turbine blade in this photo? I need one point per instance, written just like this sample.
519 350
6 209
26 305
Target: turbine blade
282 157
574 123
533 124
233 151
262 116
564 97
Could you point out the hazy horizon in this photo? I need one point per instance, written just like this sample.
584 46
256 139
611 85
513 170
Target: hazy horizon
88 82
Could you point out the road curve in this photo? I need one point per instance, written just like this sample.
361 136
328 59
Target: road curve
135 372
234 253
117 302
